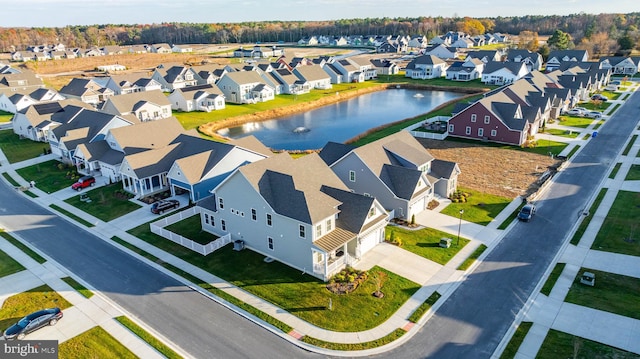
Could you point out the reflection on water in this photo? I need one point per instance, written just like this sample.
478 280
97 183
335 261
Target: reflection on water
341 121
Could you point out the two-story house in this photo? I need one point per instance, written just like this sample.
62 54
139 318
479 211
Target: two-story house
296 211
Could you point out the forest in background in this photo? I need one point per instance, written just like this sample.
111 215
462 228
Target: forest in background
609 33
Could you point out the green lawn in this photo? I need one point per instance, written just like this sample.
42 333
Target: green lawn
424 307
512 216
94 343
612 293
553 278
594 106
575 121
395 335
191 228
71 215
544 146
517 339
633 174
629 145
50 176
21 304
8 265
17 149
150 339
78 287
473 257
559 132
585 222
615 170
190 120
562 345
619 232
107 202
425 243
28 251
300 294
5 116
480 208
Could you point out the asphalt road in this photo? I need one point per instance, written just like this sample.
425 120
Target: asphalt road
198 325
473 321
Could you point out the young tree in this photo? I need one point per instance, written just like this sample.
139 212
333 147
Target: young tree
560 40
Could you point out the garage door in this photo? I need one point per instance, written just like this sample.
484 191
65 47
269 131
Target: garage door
370 241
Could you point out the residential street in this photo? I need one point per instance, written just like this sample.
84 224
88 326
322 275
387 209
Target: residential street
195 323
473 321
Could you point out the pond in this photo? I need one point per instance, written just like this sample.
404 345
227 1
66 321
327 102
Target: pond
341 121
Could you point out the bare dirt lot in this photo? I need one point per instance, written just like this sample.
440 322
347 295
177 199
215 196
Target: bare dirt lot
504 172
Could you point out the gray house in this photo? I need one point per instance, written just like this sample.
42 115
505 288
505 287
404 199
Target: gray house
397 170
297 212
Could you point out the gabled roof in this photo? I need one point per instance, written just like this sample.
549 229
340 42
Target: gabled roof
425 60
253 144
80 87
82 127
444 169
244 77
147 135
354 210
311 73
399 149
292 188
513 67
127 103
400 180
334 151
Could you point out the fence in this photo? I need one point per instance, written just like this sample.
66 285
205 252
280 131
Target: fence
431 135
157 227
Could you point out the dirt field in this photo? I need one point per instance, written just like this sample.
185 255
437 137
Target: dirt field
498 171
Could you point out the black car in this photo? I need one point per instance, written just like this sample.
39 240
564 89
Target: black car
161 206
527 212
33 322
599 97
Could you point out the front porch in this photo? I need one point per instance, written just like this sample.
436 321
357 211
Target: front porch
145 186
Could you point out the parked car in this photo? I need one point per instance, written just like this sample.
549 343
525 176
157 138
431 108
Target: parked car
593 114
527 212
33 322
574 112
599 97
164 205
84 182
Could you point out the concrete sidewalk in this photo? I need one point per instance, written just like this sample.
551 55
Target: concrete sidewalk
84 313
552 312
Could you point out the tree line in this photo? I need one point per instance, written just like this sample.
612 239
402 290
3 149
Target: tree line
577 26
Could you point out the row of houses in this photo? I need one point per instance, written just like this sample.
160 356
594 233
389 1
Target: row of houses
317 214
514 113
59 51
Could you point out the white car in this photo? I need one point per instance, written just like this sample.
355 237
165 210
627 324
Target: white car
574 112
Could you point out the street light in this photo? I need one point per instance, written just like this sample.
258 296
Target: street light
459 225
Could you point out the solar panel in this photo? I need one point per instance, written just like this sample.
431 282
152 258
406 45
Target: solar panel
47 108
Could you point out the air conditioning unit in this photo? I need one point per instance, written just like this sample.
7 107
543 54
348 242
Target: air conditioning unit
238 245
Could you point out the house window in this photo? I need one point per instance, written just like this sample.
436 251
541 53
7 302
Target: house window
329 225
451 128
487 118
269 221
318 231
220 202
468 130
473 117
213 221
352 176
302 233
480 132
206 218
223 225
270 243
372 212
254 214
494 133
